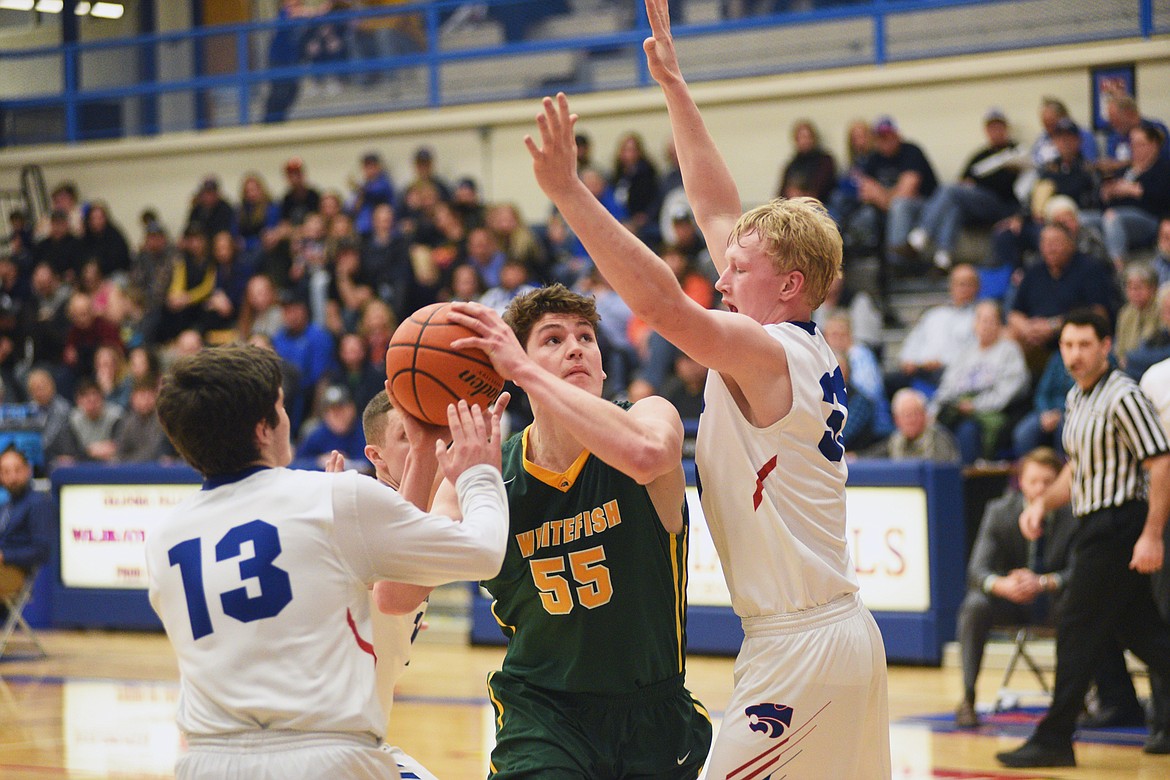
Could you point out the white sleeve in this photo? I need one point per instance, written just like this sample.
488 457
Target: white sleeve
384 537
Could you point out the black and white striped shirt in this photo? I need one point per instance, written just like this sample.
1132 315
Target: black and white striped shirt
1108 432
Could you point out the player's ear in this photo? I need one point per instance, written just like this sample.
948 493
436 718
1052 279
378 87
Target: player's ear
373 456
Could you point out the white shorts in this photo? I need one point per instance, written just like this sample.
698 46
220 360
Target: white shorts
285 755
809 700
408 768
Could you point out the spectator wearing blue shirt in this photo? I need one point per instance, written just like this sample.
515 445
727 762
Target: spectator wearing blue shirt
1044 425
304 344
1064 281
373 190
337 429
26 523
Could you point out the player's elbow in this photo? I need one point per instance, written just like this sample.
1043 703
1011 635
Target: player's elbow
650 460
393 598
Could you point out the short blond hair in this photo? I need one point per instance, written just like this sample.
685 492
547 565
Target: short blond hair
798 235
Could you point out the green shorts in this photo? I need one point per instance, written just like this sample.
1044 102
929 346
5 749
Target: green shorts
660 731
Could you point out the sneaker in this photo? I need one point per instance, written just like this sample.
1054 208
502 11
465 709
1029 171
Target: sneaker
917 239
1158 743
942 259
1033 754
965 716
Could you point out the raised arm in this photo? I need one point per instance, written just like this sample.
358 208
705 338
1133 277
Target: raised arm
710 189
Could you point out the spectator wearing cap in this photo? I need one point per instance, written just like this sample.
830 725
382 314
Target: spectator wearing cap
1123 115
300 200
337 429
424 172
61 249
192 282
210 211
374 189
1068 174
895 181
983 195
305 344
466 202
1043 151
150 275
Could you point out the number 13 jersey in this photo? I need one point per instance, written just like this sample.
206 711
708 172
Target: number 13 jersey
774 497
593 589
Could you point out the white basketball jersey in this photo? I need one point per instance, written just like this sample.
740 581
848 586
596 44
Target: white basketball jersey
774 497
262 585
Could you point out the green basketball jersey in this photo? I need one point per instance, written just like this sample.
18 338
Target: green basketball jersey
592 592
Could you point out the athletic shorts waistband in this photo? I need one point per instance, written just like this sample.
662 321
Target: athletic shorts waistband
794 622
278 739
654 692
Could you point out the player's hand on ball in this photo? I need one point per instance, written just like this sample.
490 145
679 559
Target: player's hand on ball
494 336
474 440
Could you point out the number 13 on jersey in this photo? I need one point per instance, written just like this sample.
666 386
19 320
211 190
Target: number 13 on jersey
275 586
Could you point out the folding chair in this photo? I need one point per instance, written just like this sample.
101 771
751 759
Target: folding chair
1008 698
16 604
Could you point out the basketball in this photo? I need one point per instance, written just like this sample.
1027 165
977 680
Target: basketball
426 373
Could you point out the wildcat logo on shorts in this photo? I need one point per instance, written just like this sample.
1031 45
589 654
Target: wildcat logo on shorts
772 719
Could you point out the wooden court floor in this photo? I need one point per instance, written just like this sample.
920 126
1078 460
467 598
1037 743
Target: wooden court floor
102 706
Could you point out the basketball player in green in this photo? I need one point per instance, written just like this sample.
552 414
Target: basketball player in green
592 593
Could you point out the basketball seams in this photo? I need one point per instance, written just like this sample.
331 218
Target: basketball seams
420 349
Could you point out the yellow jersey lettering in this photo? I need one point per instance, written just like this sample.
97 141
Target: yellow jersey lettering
612 515
527 542
597 519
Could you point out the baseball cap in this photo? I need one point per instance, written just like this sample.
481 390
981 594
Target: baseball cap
369 158
1065 125
423 154
209 184
680 214
994 115
291 295
335 395
154 228
885 124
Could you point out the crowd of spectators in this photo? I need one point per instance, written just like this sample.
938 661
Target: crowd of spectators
89 322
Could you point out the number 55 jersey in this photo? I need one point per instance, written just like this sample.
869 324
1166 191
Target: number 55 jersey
592 592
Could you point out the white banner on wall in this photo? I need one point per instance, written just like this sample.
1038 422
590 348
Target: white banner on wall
103 531
886 530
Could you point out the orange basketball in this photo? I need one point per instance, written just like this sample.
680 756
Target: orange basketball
426 373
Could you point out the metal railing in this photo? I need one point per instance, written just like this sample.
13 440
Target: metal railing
221 76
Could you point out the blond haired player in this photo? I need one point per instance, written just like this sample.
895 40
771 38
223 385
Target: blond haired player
810 680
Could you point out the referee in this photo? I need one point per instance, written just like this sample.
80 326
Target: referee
1111 431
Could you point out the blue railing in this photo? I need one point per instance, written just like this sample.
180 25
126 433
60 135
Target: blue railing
167 81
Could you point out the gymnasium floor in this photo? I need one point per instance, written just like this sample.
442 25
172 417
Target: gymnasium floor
102 706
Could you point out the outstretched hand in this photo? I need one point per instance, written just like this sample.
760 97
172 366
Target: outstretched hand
555 161
475 438
661 58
